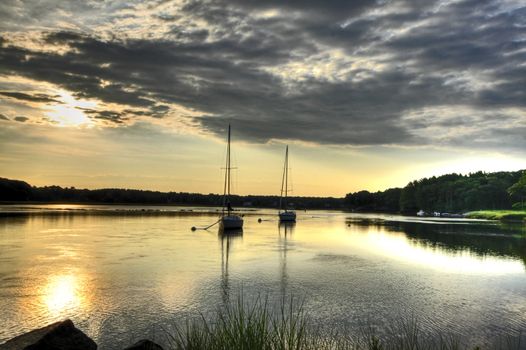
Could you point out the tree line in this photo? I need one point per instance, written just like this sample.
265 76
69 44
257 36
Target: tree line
20 191
451 193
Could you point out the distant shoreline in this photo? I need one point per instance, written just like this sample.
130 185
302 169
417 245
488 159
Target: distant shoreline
193 210
20 192
182 205
103 203
452 193
501 215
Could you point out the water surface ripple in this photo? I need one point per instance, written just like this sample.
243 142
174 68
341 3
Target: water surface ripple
122 273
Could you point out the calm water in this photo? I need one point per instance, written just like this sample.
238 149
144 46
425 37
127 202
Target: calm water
121 277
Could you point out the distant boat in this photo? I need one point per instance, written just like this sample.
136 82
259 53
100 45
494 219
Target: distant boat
284 214
229 221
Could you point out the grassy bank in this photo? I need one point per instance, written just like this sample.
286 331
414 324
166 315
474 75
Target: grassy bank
259 325
509 215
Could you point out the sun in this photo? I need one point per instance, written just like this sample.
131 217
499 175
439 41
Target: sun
70 111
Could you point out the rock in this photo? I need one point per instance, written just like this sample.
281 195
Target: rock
145 344
57 336
21 341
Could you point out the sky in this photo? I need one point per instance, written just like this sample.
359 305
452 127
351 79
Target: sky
367 94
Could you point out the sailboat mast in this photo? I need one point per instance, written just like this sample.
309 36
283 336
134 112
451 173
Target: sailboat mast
286 174
226 192
228 162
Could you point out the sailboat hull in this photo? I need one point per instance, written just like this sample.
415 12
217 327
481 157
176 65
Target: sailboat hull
231 222
287 216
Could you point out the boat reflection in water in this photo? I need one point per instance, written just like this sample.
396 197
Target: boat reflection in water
227 239
285 231
286 228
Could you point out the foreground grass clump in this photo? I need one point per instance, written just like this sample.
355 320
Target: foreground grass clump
243 326
258 326
515 215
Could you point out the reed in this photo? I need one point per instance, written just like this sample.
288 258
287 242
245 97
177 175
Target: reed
259 325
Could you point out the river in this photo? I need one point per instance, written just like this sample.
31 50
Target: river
125 272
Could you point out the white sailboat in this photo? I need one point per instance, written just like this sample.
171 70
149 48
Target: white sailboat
229 221
284 214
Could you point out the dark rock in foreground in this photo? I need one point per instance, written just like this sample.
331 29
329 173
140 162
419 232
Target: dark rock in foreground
57 336
145 344
63 336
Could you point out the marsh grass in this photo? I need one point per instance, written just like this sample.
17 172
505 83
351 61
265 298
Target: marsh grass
244 325
259 325
506 215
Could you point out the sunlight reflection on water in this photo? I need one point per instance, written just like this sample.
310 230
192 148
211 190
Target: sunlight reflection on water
62 293
397 246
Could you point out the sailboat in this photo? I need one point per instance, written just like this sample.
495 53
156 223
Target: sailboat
229 221
284 214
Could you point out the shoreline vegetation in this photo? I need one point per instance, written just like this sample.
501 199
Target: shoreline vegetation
503 215
493 196
22 192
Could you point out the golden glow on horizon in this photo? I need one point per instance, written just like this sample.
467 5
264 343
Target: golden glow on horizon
149 157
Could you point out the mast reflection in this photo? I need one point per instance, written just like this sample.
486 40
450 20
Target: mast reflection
227 239
285 230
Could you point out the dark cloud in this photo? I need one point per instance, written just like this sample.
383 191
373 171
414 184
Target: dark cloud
110 116
21 119
157 111
395 58
30 97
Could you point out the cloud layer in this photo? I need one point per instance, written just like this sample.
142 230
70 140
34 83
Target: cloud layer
359 73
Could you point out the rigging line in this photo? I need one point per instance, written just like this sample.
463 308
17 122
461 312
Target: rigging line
227 166
237 176
291 182
287 173
234 175
206 227
283 181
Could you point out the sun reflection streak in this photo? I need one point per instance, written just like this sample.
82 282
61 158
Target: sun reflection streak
63 293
